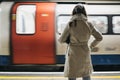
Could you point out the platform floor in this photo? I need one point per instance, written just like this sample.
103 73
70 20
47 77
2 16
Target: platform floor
55 76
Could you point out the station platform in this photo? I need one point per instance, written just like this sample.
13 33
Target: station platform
55 76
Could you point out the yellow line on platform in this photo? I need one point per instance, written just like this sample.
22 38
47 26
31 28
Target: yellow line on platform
50 77
105 76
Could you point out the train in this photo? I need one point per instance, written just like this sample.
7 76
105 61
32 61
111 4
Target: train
29 33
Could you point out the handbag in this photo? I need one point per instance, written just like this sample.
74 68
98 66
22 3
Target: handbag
68 40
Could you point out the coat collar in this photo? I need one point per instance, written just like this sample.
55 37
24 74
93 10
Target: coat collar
79 17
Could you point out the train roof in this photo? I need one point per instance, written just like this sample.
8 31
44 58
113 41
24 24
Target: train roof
91 9
103 9
94 7
68 1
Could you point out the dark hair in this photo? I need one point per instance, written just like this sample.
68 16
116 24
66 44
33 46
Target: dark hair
79 9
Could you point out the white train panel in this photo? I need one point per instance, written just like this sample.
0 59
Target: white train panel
5 27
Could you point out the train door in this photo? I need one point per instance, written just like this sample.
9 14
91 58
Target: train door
33 33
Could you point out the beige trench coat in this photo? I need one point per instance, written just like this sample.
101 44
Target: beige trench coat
78 59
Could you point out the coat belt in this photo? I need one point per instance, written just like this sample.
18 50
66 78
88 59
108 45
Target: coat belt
80 43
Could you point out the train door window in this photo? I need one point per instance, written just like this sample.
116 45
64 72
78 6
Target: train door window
62 22
100 22
25 19
116 24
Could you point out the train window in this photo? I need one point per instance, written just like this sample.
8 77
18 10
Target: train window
116 24
25 19
100 22
62 22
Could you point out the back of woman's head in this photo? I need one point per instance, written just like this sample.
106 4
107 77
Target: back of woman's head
79 9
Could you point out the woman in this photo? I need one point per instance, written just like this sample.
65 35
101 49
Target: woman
78 32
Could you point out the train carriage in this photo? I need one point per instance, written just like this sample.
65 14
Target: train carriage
29 33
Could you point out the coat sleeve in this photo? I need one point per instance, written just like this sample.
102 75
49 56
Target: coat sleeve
64 35
97 35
